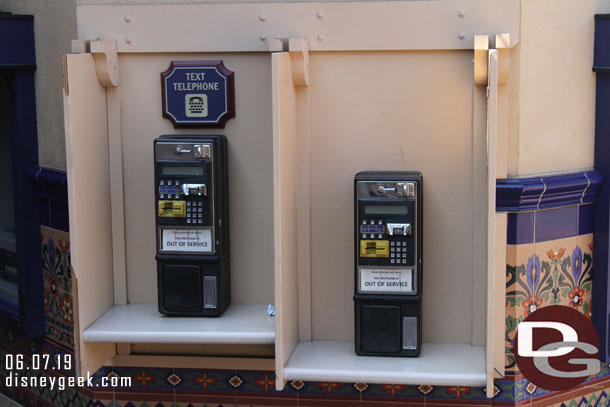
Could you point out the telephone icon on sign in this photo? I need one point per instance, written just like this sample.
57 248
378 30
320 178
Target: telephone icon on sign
196 105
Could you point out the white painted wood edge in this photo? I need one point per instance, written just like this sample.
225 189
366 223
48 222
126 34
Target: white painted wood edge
152 337
142 323
492 134
438 364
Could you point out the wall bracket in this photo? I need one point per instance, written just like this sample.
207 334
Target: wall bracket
299 57
106 62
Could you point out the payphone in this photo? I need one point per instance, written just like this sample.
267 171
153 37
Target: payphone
192 222
388 263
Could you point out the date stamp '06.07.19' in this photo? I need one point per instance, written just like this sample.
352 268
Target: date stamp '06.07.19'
31 371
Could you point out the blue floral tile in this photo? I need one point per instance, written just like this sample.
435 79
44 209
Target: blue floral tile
262 382
329 389
55 252
194 380
458 392
540 392
149 379
204 380
391 391
57 287
511 390
98 374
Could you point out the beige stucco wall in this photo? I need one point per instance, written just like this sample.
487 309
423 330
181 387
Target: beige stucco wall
54 28
552 112
552 89
152 2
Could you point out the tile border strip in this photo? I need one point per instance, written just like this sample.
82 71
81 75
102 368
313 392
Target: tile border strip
545 192
49 183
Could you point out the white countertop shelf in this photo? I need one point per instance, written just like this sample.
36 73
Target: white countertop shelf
142 323
438 364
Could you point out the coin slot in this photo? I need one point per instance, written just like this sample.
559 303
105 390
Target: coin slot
172 209
374 248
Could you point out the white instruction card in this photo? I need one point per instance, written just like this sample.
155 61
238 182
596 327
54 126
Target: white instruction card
187 240
374 280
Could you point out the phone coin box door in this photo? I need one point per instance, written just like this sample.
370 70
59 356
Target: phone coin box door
388 263
191 213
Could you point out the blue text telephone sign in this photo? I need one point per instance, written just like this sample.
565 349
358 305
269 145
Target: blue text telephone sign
198 94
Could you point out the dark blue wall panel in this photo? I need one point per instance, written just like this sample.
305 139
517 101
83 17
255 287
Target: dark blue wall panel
601 298
17 44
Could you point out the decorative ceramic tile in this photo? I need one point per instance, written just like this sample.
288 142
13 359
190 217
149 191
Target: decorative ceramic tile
297 384
520 228
55 353
596 399
553 224
329 389
519 295
200 380
558 272
104 371
425 389
262 382
511 390
150 380
585 243
586 219
57 275
561 271
396 391
56 258
235 381
457 393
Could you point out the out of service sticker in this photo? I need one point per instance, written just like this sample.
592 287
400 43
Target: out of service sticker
186 240
377 280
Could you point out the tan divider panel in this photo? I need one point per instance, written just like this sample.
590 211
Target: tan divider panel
285 207
88 202
395 111
250 171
